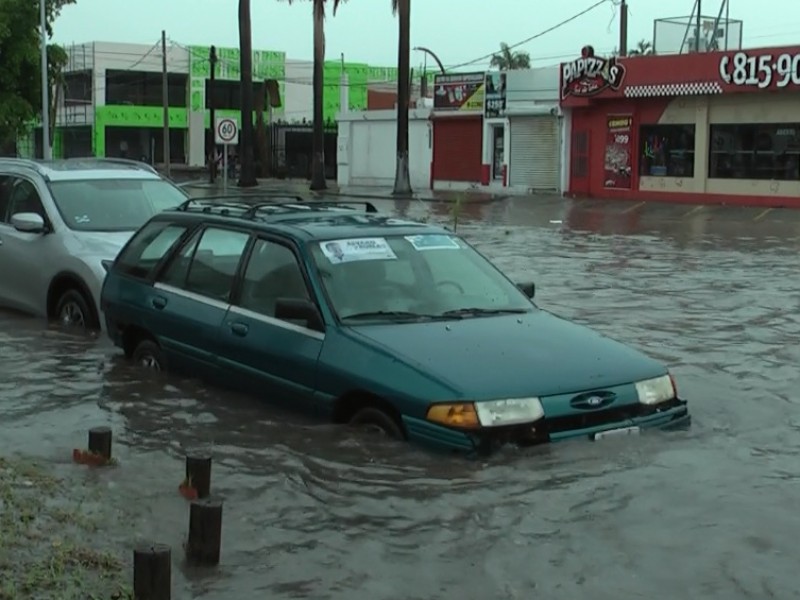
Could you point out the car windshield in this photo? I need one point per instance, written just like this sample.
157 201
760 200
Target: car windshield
419 277
113 204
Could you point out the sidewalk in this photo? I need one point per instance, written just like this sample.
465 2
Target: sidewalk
296 187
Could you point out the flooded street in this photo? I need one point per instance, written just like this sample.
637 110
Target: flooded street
316 511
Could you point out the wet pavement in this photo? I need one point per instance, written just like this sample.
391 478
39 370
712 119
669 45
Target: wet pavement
316 511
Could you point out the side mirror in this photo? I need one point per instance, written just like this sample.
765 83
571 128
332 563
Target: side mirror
28 222
299 309
529 289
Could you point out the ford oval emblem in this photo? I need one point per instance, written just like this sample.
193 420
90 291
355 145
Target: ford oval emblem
593 400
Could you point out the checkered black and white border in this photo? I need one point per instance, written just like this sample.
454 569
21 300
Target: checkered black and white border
674 89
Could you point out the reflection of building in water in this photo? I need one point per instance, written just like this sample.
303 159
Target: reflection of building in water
707 127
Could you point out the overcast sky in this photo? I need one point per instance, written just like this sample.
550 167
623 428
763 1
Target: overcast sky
458 31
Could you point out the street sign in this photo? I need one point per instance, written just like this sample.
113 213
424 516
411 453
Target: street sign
226 131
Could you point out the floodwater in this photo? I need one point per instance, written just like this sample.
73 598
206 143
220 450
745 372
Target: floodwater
316 511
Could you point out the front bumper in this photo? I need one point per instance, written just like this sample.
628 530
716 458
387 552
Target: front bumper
670 415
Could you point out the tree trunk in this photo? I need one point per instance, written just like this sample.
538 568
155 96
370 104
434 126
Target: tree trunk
318 143
402 181
247 176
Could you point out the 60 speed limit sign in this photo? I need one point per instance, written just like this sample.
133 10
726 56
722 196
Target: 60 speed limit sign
227 131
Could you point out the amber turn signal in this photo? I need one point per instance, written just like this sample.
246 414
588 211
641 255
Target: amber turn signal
461 415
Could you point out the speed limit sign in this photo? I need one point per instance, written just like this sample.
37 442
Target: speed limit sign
227 131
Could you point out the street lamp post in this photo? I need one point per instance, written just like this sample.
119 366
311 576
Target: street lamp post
46 150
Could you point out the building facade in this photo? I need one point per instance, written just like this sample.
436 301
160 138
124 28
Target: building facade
716 127
111 102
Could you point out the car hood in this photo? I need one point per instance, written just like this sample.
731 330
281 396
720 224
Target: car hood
102 244
508 356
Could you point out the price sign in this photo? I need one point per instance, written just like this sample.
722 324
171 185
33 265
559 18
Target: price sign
762 70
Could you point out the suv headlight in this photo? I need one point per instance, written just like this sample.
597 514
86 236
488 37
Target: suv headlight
656 390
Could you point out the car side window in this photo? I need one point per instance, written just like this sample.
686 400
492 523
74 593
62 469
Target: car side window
214 263
24 199
272 272
177 270
6 181
147 247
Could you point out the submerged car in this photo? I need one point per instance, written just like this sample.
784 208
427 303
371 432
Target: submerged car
60 220
375 321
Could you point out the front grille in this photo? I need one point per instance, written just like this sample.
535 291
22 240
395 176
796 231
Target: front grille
605 417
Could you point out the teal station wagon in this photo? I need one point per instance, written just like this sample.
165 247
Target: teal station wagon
366 319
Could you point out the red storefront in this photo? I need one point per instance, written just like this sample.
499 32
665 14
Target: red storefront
457 129
708 128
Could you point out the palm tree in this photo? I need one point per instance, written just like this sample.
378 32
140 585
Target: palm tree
506 60
247 176
643 48
402 180
318 181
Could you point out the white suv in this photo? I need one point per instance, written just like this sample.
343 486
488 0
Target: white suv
61 220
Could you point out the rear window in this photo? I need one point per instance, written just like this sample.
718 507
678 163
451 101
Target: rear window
148 247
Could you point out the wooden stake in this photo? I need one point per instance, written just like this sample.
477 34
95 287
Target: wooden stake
100 441
198 473
205 532
152 572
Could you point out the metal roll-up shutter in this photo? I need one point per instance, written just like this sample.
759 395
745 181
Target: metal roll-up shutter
535 153
457 145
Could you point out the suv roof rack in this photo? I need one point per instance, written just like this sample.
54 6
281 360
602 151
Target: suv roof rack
250 210
41 166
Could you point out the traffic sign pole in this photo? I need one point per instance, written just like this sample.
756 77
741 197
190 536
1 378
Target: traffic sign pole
225 169
226 133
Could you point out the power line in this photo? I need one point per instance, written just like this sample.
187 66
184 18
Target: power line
533 37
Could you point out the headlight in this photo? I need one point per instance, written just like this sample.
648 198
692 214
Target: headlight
496 413
655 391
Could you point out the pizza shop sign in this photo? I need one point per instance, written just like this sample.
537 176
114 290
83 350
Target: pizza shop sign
589 75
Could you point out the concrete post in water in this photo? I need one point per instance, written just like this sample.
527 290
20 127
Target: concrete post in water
152 572
205 532
198 474
100 441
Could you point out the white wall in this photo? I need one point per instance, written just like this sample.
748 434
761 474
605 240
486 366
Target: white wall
367 142
532 87
298 92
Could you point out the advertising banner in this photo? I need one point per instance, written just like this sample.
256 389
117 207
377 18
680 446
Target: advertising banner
458 92
619 145
495 95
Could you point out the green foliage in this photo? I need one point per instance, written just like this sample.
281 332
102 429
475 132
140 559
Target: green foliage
507 60
20 78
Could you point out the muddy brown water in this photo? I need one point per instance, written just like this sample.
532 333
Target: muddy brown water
314 511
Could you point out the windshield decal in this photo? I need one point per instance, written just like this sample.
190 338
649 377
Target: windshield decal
433 242
349 250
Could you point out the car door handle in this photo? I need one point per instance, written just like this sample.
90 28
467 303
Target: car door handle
159 302
239 329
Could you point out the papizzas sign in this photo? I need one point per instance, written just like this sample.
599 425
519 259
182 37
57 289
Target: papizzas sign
589 75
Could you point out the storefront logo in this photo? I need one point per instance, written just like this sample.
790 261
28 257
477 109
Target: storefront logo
589 75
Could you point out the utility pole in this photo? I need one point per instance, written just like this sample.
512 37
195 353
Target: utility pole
165 98
697 32
47 151
623 28
212 59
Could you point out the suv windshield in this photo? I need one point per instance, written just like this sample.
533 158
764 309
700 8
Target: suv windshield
430 276
113 204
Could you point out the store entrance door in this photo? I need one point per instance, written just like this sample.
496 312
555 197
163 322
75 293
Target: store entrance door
579 162
498 151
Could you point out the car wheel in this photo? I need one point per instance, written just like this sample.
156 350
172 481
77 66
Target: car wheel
149 356
377 420
73 310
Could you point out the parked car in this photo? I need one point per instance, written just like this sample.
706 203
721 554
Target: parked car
371 320
59 220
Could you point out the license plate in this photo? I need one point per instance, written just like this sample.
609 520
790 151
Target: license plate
616 432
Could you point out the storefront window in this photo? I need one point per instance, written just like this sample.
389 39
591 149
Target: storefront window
762 151
666 150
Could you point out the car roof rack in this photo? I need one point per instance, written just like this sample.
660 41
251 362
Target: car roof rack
41 166
251 210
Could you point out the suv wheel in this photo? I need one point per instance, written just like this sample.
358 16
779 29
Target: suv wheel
72 310
375 419
149 356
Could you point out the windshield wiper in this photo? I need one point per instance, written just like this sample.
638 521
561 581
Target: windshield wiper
462 312
391 315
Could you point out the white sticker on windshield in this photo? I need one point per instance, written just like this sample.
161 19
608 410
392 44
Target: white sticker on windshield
341 251
433 242
82 219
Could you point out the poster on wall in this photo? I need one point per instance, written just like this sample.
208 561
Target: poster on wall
618 152
495 95
461 91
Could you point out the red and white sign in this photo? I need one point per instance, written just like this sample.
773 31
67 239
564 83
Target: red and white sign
226 130
761 69
589 75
